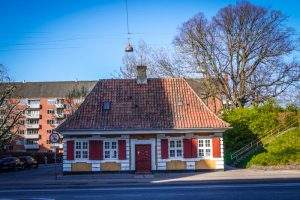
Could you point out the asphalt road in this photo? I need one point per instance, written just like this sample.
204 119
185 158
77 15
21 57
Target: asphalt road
287 190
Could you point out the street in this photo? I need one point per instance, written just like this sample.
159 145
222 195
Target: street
232 184
288 190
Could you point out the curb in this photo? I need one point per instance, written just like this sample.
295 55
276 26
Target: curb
81 185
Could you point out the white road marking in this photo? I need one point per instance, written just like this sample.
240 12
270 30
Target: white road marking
154 187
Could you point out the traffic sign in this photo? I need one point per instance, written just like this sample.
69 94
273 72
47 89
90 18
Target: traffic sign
54 138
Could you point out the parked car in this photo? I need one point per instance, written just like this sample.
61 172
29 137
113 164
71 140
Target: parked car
11 163
29 162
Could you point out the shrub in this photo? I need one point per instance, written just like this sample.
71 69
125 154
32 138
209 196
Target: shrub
284 150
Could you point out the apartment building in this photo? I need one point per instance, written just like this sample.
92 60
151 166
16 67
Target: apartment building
46 108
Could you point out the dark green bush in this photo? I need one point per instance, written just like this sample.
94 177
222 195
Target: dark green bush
248 124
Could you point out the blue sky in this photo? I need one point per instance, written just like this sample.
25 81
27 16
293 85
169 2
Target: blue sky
52 40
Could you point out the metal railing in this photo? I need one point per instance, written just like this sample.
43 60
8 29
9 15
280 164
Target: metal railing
264 139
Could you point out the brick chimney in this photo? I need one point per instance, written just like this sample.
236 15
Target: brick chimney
141 74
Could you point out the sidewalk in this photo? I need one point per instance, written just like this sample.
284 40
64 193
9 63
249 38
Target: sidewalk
44 177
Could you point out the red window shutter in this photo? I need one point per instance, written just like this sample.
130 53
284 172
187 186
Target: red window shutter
194 148
164 149
187 144
216 147
95 150
70 150
99 150
91 149
122 149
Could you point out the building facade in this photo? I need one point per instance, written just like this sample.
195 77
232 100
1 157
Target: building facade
142 125
46 108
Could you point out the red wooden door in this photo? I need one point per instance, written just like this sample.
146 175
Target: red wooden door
143 158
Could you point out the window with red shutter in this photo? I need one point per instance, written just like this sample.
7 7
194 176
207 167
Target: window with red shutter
187 147
164 148
216 147
70 150
122 149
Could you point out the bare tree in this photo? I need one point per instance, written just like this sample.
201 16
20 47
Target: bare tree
10 110
75 97
160 62
250 45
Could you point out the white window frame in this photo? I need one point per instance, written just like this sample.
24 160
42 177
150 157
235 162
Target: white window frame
205 147
50 111
175 148
110 150
79 148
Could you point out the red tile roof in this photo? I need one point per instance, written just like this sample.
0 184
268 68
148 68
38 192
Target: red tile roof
160 104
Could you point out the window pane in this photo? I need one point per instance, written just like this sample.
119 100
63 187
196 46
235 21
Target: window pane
106 154
78 154
172 143
207 143
78 145
178 143
172 153
179 153
201 152
84 145
207 151
106 145
84 154
106 105
113 145
200 143
114 154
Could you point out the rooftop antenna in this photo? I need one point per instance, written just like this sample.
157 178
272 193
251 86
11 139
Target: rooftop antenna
128 48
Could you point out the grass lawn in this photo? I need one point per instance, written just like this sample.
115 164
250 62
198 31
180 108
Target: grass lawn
284 150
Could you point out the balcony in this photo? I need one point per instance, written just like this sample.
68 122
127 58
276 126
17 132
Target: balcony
60 115
58 146
31 136
59 105
31 146
34 106
32 116
32 126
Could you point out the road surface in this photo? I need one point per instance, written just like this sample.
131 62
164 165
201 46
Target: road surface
288 190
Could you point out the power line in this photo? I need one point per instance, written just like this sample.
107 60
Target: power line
35 49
